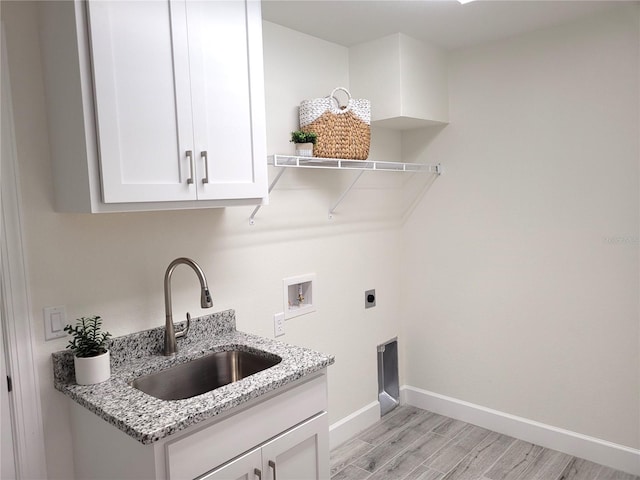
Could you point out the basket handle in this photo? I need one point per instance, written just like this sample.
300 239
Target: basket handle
333 96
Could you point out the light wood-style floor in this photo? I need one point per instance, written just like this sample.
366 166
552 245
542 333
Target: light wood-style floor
413 444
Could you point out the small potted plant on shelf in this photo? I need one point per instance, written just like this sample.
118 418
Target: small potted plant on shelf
304 142
89 345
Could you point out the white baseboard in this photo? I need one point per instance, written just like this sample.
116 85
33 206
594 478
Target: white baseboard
599 451
351 425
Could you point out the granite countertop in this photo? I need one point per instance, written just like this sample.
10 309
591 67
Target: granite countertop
148 419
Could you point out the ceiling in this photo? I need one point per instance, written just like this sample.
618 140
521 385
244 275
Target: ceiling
445 23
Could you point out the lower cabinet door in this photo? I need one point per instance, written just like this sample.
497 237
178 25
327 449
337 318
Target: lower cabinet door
245 467
302 453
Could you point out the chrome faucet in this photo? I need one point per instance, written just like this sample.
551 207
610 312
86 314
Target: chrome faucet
170 335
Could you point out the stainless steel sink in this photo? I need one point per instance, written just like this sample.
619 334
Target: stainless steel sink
204 374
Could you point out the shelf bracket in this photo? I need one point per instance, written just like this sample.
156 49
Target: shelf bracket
344 194
273 184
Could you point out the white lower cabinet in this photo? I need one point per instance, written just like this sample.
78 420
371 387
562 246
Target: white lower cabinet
295 455
283 435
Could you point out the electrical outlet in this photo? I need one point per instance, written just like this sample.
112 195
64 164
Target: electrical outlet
278 324
370 298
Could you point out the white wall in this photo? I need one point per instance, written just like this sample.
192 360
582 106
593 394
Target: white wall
527 304
113 264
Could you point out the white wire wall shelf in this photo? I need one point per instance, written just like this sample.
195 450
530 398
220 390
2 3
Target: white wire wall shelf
290 161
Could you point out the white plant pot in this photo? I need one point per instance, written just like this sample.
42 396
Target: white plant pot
304 149
90 370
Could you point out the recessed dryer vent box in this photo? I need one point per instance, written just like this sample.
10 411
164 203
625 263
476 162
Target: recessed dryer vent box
299 295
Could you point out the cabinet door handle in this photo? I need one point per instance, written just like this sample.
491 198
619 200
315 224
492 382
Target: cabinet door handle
203 154
272 464
189 154
257 473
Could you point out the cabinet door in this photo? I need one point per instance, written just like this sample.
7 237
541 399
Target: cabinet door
300 454
246 467
142 97
227 81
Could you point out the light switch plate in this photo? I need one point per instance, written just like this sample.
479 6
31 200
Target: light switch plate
55 319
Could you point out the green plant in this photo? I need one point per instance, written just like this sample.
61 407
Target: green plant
88 340
303 137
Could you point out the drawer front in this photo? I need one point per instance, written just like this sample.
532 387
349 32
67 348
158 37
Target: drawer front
202 451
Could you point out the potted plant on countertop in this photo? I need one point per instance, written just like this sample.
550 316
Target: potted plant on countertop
91 358
304 142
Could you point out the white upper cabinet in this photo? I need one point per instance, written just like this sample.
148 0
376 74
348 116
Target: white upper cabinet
224 91
405 79
176 91
143 100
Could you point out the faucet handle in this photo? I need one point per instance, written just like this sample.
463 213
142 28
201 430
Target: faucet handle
183 332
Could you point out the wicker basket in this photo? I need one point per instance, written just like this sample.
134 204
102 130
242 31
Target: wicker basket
343 131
